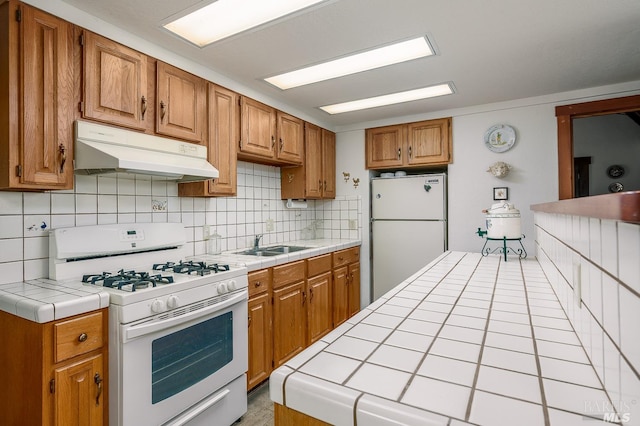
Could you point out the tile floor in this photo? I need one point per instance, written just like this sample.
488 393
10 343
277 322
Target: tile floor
478 340
259 408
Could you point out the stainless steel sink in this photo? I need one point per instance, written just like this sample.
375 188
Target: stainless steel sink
271 250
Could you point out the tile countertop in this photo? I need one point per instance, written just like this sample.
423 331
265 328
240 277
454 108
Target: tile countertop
43 300
254 263
466 340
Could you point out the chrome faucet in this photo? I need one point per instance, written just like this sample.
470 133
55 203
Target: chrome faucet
256 243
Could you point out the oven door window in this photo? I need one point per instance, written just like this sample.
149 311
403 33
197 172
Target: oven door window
188 356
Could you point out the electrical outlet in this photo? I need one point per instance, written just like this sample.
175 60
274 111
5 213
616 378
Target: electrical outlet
577 284
269 226
353 223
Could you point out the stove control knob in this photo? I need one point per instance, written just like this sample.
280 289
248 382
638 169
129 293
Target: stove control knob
222 288
173 302
158 306
232 286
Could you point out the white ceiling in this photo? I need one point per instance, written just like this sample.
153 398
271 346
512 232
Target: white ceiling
492 50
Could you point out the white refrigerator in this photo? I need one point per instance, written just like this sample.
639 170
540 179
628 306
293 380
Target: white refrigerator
408 226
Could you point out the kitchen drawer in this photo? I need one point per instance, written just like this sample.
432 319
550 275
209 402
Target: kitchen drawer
288 273
259 282
77 336
319 264
345 257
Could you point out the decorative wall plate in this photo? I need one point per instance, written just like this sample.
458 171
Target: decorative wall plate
615 171
500 138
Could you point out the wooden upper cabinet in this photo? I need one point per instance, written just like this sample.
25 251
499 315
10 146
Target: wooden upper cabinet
328 164
36 108
290 144
384 146
258 130
424 143
115 83
429 142
181 104
316 177
224 128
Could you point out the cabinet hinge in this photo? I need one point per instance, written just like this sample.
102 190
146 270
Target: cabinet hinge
52 386
81 106
81 39
19 15
19 170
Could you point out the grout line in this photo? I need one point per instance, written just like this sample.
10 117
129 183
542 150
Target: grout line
484 338
543 397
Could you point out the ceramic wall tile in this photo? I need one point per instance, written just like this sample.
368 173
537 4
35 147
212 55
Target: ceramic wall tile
37 203
628 254
11 203
609 246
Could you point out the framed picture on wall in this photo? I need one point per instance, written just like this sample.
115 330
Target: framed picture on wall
501 193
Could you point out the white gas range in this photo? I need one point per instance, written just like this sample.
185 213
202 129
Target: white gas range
178 328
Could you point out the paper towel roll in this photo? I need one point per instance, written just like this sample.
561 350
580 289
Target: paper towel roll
295 204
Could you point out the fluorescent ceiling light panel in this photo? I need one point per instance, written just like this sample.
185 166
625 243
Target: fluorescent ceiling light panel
376 58
393 98
224 18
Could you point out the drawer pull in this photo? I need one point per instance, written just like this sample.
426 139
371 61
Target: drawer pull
98 380
258 284
83 337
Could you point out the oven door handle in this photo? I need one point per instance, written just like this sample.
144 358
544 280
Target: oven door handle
131 332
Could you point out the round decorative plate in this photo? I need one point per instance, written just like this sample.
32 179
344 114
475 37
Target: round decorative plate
500 138
615 171
616 187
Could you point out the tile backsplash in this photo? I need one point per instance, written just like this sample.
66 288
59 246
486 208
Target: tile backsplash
26 217
594 267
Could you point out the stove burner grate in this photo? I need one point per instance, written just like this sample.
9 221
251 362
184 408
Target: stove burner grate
126 280
191 267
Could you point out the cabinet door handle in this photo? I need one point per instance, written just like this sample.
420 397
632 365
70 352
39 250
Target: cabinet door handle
248 321
273 141
310 294
324 186
399 152
163 110
410 154
98 380
63 156
304 297
320 184
82 337
281 144
143 106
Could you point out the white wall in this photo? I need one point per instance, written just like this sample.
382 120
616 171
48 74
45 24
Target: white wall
608 139
350 159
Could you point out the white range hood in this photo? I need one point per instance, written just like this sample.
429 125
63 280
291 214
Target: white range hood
103 149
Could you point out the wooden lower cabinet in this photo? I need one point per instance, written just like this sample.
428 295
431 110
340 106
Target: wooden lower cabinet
289 311
319 287
260 343
346 284
55 373
260 335
293 305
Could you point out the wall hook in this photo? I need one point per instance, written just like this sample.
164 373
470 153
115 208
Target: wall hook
346 176
356 182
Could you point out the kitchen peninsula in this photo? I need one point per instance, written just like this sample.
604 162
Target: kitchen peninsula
477 340
466 339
